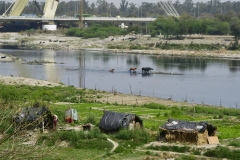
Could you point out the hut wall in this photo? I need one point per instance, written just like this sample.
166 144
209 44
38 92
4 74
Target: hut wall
202 138
186 137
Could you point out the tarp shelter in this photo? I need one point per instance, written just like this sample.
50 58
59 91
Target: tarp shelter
71 115
33 117
113 121
186 132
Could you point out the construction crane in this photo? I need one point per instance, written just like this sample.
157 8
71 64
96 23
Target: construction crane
81 11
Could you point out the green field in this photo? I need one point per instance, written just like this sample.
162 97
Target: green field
93 144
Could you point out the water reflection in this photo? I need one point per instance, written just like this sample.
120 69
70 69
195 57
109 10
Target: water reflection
133 60
81 70
146 74
50 71
234 65
133 74
182 63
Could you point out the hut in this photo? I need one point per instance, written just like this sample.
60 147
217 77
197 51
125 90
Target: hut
30 118
71 115
179 131
114 121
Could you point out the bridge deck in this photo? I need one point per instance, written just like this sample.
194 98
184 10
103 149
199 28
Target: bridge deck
94 19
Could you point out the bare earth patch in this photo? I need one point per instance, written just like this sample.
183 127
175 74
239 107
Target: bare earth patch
129 99
25 81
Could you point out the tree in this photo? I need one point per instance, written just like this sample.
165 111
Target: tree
133 10
123 5
188 6
235 27
102 6
183 24
164 25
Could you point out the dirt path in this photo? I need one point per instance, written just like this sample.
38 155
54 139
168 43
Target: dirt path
115 144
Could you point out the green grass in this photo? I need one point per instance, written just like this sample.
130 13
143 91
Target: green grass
151 121
180 149
222 152
235 143
93 144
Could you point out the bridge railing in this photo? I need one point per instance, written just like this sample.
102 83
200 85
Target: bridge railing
116 19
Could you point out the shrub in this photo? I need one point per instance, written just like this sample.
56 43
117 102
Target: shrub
222 152
154 106
235 143
137 136
74 138
185 157
196 152
180 149
91 119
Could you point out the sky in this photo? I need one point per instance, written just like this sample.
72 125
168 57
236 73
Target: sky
117 2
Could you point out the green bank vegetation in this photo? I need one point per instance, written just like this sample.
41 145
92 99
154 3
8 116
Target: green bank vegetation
93 144
102 31
170 27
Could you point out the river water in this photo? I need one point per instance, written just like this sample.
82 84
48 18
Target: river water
197 80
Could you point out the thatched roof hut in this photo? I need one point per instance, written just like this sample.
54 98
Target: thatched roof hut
186 132
113 121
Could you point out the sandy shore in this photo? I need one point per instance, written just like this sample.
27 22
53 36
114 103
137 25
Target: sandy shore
9 80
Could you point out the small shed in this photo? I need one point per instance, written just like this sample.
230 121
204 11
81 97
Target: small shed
187 132
114 121
34 117
71 115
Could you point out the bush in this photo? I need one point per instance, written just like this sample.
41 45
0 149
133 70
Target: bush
196 152
154 106
235 143
73 137
91 119
96 30
222 152
179 149
137 136
175 111
185 157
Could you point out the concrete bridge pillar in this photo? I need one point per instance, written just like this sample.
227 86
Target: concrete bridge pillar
50 8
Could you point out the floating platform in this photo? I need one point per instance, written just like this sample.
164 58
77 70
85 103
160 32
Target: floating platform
168 73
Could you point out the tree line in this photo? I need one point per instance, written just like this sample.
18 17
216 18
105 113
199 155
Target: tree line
129 9
186 24
215 18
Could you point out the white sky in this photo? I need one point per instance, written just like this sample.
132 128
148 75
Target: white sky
117 2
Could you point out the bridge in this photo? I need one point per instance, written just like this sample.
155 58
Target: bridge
48 18
73 19
17 7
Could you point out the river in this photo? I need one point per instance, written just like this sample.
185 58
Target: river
196 80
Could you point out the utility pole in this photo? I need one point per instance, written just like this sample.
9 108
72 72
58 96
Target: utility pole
110 10
81 11
198 10
138 10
